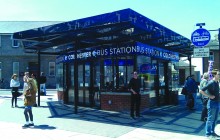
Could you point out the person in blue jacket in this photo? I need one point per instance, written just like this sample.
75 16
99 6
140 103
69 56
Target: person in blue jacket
192 89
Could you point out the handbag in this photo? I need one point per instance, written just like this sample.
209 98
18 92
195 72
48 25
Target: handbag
184 91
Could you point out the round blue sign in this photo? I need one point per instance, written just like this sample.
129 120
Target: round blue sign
200 37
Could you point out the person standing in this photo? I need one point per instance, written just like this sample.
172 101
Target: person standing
29 101
35 82
134 87
43 81
25 78
14 84
212 93
204 99
192 89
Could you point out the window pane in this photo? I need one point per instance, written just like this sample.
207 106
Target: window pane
51 68
16 67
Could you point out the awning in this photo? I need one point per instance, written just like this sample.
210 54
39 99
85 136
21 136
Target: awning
106 30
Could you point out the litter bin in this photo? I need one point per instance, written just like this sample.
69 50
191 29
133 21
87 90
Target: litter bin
174 100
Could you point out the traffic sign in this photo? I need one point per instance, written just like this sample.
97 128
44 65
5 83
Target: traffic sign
201 52
200 37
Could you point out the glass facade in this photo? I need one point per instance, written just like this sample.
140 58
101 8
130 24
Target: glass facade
158 77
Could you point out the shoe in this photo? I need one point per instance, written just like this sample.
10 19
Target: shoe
132 117
12 106
25 126
31 124
16 105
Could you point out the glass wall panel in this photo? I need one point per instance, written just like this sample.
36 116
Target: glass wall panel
59 77
147 72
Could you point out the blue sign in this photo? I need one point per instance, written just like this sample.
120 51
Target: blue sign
148 68
200 37
130 49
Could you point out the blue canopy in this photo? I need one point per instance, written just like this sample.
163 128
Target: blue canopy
106 30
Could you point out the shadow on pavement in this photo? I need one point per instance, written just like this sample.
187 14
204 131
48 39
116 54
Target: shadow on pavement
43 127
165 118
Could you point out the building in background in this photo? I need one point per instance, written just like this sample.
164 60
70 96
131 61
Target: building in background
13 59
213 55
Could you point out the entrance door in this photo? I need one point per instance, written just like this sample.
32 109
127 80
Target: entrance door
163 83
84 83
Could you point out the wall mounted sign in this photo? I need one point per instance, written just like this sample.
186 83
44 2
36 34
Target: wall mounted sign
129 49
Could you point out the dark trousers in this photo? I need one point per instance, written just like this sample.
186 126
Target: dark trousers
14 92
28 113
135 102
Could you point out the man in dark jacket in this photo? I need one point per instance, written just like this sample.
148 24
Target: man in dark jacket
192 89
134 87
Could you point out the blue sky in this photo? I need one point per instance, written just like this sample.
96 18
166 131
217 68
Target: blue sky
180 16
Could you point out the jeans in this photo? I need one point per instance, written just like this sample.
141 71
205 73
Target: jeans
43 88
213 110
28 113
195 97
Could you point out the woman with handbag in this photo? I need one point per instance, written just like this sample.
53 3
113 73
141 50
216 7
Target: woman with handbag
29 101
14 84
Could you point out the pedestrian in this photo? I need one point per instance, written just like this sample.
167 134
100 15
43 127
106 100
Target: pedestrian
29 102
192 89
14 84
204 99
35 82
186 94
211 90
134 87
25 77
43 81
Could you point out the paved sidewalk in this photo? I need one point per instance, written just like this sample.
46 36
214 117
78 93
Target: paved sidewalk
55 121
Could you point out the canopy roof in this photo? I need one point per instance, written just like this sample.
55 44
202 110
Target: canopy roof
106 30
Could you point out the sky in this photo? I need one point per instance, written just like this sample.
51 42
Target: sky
180 16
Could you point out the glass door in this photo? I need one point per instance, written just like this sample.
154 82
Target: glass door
161 84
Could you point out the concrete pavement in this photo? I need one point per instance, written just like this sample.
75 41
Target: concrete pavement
55 121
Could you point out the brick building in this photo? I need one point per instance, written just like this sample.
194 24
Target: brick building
213 55
13 59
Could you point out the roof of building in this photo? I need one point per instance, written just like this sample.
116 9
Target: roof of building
10 27
122 27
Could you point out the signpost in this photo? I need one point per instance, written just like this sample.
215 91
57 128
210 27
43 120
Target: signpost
200 38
